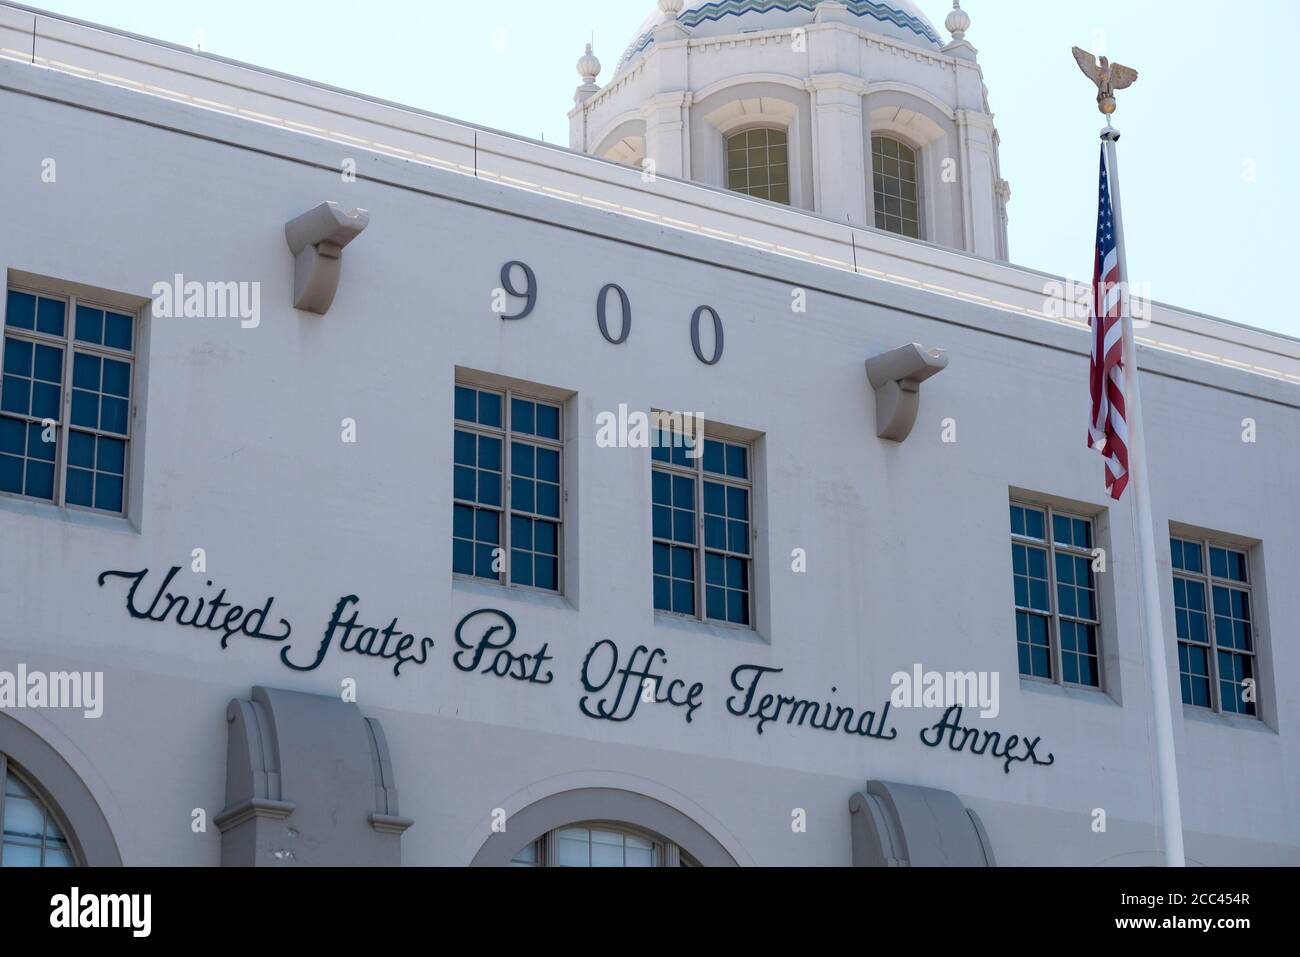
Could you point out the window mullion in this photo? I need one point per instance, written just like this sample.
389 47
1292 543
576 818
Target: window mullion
507 477
4 771
700 592
1216 699
65 415
1053 608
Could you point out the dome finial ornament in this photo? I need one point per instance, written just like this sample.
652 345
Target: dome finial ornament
588 67
958 21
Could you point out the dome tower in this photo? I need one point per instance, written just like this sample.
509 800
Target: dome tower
856 110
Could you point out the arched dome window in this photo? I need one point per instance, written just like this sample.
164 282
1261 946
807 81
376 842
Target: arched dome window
758 163
31 835
599 844
894 181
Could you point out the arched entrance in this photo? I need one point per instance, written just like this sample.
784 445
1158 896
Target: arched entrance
603 814
41 783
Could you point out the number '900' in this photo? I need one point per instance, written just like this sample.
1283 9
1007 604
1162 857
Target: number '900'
613 311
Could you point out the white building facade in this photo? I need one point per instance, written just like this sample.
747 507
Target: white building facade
331 530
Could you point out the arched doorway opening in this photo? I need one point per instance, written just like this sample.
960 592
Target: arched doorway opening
601 827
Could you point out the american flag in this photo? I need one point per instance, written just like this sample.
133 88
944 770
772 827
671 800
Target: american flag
1107 428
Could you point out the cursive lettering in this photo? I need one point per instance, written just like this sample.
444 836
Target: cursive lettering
189 610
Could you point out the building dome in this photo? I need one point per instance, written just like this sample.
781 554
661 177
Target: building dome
854 110
900 19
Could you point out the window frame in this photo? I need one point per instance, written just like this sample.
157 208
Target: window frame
1207 578
1054 616
507 436
744 130
917 151
699 549
47 806
666 852
70 345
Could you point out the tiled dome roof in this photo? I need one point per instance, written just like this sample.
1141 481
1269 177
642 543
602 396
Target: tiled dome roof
900 19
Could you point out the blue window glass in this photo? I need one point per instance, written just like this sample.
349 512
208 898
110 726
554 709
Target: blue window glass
525 529
1028 522
20 310
12 441
1186 556
90 325
101 390
673 448
1055 596
32 381
715 457
51 316
96 471
523 416
32 401
1232 627
117 379
466 404
534 554
48 364
476 525
738 461
1033 646
18 357
1237 566
724 549
715 516
26 459
548 421
1236 678
725 458
1194 674
40 479
13 446
1214 627
1029 573
1071 532
684 509
118 331
1225 563
11 470
479 406
726 588
674 579
108 492
489 409
1080 656
113 415
31 392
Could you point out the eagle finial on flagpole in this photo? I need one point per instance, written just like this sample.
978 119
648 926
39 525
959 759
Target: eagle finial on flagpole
1108 76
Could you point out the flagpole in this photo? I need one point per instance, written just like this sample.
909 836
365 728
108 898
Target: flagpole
1171 816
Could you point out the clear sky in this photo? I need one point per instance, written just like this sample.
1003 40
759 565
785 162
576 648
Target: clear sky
1210 159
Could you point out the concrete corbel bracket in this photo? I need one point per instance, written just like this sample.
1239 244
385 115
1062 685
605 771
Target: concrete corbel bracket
317 239
897 376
